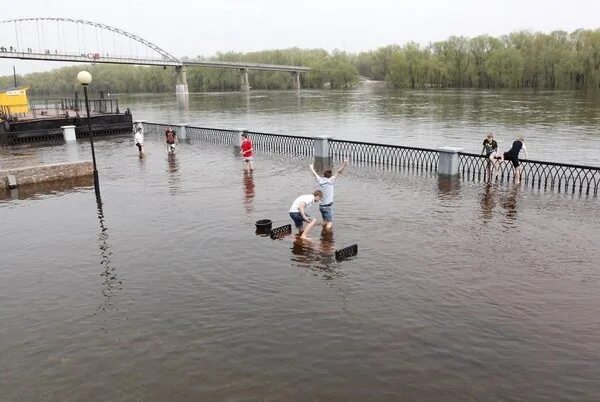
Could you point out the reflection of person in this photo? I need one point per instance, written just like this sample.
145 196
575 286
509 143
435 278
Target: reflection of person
487 203
513 156
247 153
327 243
139 140
326 184
171 138
490 148
248 191
172 163
298 212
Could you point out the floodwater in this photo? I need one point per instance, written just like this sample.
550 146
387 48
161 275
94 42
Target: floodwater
459 291
560 126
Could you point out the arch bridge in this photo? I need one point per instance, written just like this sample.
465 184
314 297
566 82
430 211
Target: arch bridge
81 41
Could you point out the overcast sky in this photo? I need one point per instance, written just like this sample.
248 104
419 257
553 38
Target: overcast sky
203 27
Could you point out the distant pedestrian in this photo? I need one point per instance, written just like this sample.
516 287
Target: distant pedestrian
490 149
139 140
171 138
247 152
513 156
298 212
326 185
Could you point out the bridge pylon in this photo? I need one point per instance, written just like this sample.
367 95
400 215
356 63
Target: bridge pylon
181 87
244 83
296 80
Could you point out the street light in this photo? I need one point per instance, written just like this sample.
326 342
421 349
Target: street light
84 79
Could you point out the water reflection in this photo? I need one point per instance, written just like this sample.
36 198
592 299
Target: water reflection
509 202
183 102
51 187
174 176
487 202
318 256
249 192
110 281
448 187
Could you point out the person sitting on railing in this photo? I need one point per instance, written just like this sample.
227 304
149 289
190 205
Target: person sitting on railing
490 148
513 156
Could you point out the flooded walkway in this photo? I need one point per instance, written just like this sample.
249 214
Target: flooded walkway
460 291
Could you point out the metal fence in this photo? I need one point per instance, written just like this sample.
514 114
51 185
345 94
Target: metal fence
96 105
536 174
283 144
33 136
386 155
103 131
472 167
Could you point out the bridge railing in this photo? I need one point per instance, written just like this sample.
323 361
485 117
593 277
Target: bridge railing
554 176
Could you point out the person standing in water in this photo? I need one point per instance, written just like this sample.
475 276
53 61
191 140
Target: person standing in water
513 156
326 185
139 140
247 153
171 138
298 212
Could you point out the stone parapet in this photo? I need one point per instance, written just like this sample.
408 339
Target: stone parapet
45 173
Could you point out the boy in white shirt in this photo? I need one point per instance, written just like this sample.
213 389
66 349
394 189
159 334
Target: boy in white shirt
298 212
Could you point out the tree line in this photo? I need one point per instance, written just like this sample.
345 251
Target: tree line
556 60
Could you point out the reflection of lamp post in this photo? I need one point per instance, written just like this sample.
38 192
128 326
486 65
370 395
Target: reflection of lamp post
84 79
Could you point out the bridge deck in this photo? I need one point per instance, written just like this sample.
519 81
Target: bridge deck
107 59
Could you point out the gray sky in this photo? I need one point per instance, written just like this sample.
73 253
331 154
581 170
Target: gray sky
203 27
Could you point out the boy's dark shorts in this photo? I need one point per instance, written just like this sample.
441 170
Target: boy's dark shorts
297 218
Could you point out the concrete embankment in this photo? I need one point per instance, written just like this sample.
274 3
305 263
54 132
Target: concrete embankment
44 173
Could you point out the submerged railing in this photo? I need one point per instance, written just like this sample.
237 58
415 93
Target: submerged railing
559 177
386 155
536 174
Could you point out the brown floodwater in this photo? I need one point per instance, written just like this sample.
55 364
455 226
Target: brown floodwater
459 291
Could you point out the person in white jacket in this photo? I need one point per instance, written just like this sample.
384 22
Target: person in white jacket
139 140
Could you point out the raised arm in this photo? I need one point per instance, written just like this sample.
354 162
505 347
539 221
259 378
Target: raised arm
341 168
312 169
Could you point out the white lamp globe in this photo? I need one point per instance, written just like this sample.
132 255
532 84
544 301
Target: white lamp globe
84 77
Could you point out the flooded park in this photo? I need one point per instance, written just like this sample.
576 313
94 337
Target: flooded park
460 290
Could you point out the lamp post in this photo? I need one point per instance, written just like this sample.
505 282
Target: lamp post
84 79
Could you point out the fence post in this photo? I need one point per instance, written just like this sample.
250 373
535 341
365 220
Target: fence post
448 161
69 133
237 142
321 153
181 131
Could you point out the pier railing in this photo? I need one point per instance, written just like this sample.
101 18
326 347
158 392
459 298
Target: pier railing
387 155
561 177
558 177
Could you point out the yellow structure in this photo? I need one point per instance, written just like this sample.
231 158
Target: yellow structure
13 101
